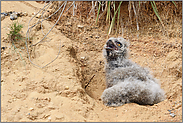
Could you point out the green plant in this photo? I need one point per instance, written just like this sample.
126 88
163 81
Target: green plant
112 16
14 34
156 12
113 19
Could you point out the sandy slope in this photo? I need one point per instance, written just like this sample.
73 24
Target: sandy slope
55 93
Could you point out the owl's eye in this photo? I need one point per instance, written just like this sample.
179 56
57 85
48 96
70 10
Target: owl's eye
118 44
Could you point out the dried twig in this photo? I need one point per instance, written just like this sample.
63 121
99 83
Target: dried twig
89 81
45 35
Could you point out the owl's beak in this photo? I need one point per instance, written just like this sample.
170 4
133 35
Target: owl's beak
108 48
110 45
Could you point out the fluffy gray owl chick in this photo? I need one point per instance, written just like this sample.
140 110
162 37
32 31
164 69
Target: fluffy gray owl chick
126 81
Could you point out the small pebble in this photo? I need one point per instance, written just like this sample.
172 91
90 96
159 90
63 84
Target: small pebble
9 13
2 17
5 13
49 118
9 108
19 14
83 58
68 24
66 87
18 109
13 16
178 106
96 36
172 114
25 14
59 116
169 111
80 26
3 48
38 15
51 106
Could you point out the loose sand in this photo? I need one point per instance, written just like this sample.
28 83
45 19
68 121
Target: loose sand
56 93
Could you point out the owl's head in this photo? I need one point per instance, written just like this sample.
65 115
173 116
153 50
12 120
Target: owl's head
115 48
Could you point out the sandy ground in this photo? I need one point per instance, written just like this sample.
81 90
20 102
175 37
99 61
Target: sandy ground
56 93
